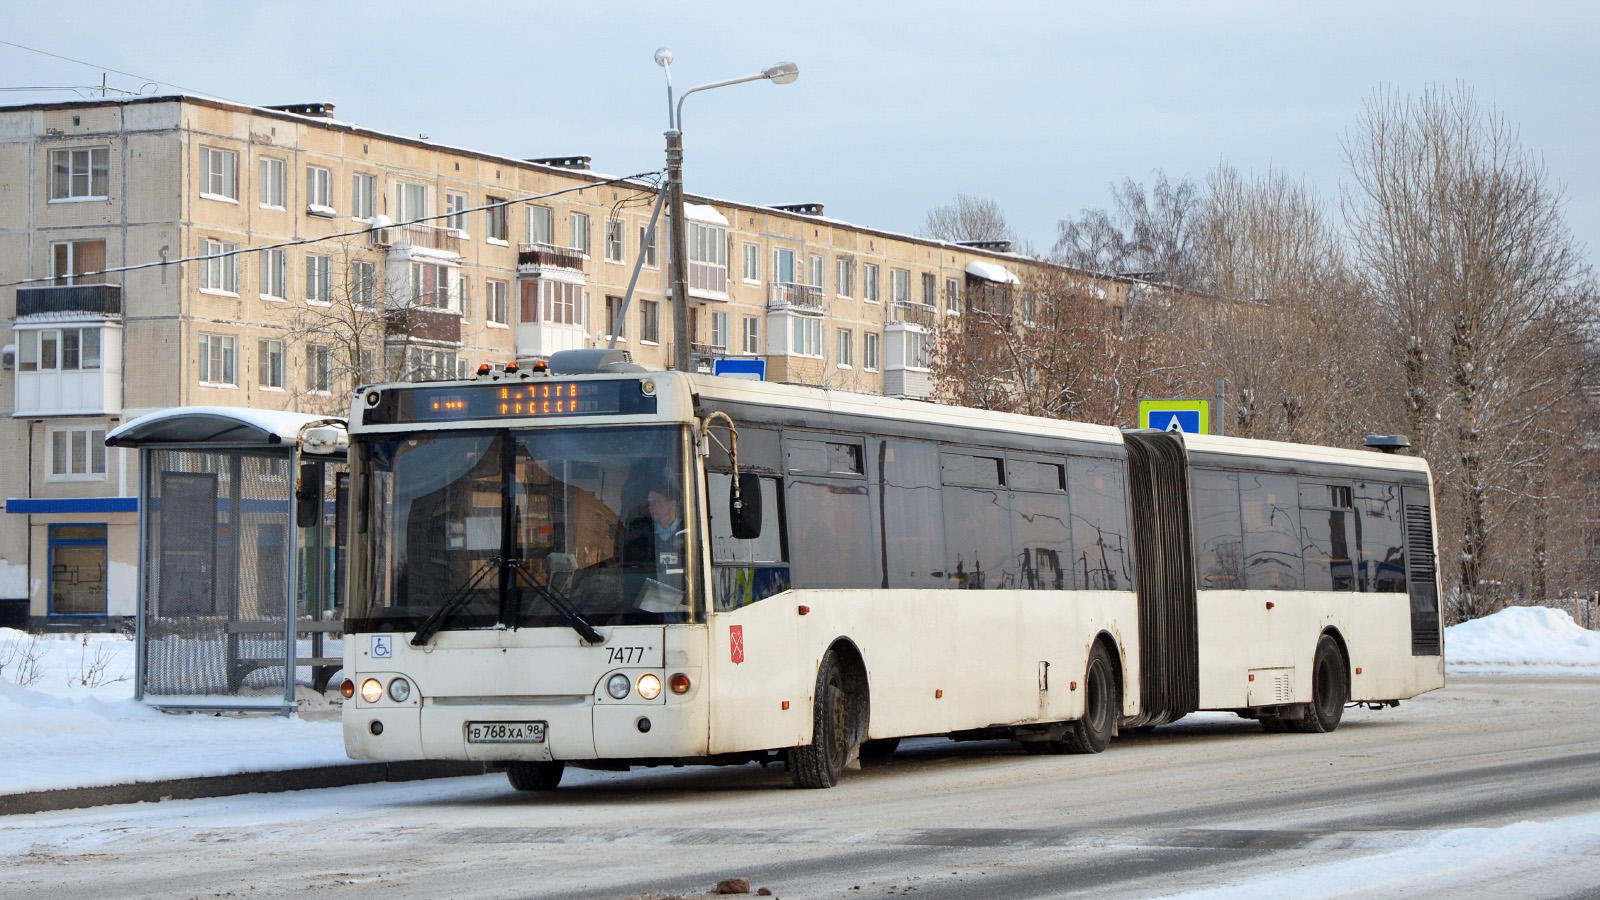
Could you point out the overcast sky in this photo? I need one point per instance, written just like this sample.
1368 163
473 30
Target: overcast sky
899 105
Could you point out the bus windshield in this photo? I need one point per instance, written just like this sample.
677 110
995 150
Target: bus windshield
523 529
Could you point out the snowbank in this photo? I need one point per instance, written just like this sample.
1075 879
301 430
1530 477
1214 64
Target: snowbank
59 732
1523 640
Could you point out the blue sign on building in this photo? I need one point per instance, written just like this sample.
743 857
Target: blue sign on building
748 369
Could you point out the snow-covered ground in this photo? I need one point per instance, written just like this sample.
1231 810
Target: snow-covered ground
72 721
1522 640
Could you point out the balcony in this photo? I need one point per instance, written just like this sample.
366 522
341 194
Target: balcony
536 259
101 301
915 314
785 295
418 236
421 323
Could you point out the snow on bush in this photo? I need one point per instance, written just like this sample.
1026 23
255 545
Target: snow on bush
1528 640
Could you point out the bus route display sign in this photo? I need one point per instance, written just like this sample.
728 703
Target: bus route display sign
541 399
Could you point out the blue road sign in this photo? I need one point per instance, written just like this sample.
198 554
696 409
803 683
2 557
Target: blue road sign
749 369
1185 420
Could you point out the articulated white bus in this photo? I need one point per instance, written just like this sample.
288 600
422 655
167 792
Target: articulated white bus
625 568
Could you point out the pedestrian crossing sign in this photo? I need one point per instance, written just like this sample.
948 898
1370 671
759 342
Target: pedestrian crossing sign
1187 416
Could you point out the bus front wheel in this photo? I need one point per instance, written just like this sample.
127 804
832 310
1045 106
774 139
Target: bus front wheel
535 776
834 730
1329 690
1092 733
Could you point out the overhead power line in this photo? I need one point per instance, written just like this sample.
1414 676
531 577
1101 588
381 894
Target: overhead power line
144 78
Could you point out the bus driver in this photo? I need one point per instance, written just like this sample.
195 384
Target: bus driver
655 547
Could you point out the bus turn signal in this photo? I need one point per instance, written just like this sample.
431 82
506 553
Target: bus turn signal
679 683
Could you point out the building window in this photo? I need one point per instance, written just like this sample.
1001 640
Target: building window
649 322
616 325
275 274
816 276
930 290
807 336
752 335
363 196
580 233
219 271
269 358
952 295
613 242
783 266
919 350
273 189
869 351
218 356
650 246
70 260
219 174
455 207
430 285
58 350
319 279
721 322
411 202
319 368
495 219
541 225
708 258
80 174
752 263
319 190
496 293
426 364
869 282
78 453
846 350
845 278
363 284
899 285
561 303
77 570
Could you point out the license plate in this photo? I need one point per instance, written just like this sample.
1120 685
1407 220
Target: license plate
505 732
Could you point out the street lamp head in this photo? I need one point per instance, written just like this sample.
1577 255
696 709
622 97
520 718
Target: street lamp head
663 57
782 73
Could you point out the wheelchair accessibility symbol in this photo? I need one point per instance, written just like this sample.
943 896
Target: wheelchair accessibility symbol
381 648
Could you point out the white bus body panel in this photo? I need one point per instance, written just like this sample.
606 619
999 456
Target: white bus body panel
981 649
1238 633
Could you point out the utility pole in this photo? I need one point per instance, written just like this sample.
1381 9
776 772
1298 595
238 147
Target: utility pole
677 237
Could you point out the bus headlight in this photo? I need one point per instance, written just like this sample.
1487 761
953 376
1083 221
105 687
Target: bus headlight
399 690
617 686
371 690
649 686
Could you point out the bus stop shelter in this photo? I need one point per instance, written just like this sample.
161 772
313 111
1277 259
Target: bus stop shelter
241 555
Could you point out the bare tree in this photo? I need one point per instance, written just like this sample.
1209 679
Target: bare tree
968 218
1150 234
1462 234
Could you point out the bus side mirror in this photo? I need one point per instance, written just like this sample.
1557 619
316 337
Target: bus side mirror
744 507
308 499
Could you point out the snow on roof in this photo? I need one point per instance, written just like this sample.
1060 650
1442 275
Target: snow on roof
991 272
215 425
695 212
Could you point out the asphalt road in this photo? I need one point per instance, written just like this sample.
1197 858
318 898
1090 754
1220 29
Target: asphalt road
1419 801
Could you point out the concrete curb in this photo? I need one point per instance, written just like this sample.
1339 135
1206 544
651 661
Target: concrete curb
230 785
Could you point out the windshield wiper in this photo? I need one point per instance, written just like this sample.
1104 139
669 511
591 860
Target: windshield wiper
559 603
457 602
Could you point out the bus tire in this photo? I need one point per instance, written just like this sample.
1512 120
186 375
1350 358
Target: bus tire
1101 703
833 731
535 776
1330 690
876 753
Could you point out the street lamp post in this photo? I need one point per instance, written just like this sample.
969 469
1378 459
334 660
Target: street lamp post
682 340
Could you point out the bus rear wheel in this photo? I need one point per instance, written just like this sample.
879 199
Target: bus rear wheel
1101 704
535 776
1329 690
834 731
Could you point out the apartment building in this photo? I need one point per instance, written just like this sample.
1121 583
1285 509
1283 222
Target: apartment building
289 255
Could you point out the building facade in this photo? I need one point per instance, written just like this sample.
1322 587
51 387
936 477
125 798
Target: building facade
290 256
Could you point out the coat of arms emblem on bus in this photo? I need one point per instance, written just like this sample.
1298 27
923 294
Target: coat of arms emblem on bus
736 643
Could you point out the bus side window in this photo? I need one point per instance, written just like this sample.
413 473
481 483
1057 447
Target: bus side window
832 543
1327 536
1378 527
1041 523
1217 531
1100 558
1270 508
913 523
